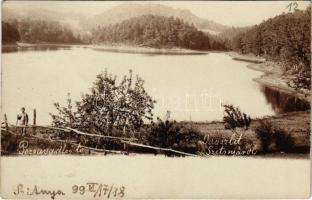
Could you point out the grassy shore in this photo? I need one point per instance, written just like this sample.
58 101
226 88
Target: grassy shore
296 124
273 77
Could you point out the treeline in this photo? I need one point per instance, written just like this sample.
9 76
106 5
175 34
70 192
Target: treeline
147 30
217 42
10 33
152 31
284 39
226 37
37 31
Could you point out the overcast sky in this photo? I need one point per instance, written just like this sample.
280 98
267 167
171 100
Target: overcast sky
233 13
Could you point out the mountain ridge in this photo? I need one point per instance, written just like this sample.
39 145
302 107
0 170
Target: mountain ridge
81 23
129 10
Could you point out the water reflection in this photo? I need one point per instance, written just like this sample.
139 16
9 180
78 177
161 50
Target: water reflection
13 49
9 49
151 52
282 102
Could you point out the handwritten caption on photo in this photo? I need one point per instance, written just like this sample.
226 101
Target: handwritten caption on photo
91 189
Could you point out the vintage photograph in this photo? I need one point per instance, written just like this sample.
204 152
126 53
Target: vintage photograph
182 86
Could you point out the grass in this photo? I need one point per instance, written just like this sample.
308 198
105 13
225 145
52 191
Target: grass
297 124
293 137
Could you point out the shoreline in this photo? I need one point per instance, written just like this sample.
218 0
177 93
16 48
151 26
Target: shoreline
25 45
146 50
113 48
273 76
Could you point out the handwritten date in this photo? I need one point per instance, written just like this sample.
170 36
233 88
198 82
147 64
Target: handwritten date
100 190
97 190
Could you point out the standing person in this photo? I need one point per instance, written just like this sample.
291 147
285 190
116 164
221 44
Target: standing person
22 120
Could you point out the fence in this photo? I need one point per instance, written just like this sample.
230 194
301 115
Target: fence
46 133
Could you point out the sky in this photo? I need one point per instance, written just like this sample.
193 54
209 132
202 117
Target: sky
232 13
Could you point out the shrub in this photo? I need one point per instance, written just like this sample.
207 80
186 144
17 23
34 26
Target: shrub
283 140
264 133
302 78
163 133
234 118
273 138
170 134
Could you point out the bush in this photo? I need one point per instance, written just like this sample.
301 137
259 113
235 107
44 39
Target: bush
264 133
273 138
163 133
170 134
234 118
283 140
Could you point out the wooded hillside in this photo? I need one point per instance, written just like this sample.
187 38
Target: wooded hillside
285 39
153 31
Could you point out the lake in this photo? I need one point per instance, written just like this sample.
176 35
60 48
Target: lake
192 87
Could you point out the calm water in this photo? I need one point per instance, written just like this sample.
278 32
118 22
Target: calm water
192 87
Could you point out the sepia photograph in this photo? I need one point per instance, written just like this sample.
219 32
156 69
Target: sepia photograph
155 99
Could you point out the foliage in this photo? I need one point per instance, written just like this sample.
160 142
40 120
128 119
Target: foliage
302 78
273 138
264 133
232 32
234 118
285 39
216 42
170 134
36 31
10 33
163 133
65 116
109 106
153 31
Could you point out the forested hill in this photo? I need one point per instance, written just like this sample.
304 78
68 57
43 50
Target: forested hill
285 39
10 33
37 31
130 9
153 31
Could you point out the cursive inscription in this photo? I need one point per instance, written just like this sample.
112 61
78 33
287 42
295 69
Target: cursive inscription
22 190
24 149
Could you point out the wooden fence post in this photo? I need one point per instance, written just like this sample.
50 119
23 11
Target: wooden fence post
34 122
6 122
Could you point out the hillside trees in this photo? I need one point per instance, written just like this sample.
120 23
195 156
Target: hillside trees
10 33
284 39
152 31
38 31
35 31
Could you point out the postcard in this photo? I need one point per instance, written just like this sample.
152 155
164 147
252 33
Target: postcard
155 99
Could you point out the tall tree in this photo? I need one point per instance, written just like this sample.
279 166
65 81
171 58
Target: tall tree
109 106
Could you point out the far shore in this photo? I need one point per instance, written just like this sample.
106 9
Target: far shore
114 48
273 76
21 44
146 50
